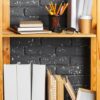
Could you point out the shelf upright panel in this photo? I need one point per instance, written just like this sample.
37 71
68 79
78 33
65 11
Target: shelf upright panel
6 26
1 53
1 70
93 57
98 49
93 48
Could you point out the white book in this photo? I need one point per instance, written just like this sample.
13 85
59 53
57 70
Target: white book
37 32
23 29
71 20
24 81
36 23
86 3
84 94
80 6
10 82
38 82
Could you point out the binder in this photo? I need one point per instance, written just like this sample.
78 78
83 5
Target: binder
10 82
24 82
38 82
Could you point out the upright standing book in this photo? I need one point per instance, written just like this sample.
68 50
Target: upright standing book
89 9
69 88
60 87
85 9
80 6
38 82
52 86
10 82
71 14
24 82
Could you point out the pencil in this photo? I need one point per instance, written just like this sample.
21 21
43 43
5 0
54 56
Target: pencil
49 11
66 5
59 9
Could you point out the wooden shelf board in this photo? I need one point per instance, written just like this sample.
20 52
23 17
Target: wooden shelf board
48 35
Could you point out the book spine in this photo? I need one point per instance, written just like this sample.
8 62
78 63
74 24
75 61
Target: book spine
30 25
29 29
10 82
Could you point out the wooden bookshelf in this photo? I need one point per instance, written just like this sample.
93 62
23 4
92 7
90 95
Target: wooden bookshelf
94 38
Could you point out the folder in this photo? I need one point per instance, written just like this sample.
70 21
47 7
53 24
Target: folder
24 82
38 82
10 82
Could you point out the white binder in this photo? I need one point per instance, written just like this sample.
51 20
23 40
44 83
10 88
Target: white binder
24 81
38 82
10 82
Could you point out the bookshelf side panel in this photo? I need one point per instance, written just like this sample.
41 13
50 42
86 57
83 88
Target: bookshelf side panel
6 50
94 15
98 49
6 14
1 70
0 16
93 64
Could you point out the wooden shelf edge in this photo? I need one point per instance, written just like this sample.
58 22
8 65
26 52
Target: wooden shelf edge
48 35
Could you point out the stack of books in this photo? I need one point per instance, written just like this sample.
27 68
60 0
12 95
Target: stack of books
30 27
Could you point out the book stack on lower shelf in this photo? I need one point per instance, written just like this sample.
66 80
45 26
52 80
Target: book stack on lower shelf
28 82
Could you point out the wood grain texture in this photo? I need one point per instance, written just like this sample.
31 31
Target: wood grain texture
6 50
93 64
49 35
0 16
94 15
6 14
98 49
1 69
60 88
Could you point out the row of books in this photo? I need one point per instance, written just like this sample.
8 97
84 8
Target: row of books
28 82
56 85
76 9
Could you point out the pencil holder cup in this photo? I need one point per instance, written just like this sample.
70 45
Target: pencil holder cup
55 24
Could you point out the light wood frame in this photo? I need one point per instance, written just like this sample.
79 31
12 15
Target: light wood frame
95 43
